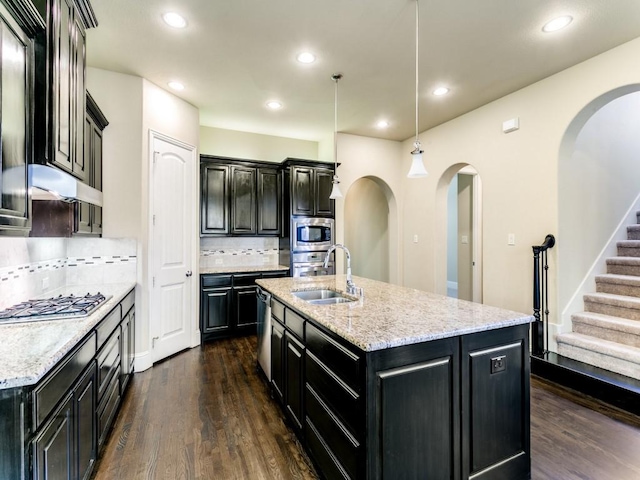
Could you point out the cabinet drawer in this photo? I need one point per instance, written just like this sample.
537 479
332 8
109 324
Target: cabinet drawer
294 322
128 302
108 325
108 362
277 309
216 280
342 361
244 280
339 441
339 397
47 395
322 454
277 274
108 407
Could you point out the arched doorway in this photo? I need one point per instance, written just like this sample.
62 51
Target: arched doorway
369 216
459 236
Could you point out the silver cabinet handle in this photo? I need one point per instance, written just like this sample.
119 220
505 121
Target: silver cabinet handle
189 273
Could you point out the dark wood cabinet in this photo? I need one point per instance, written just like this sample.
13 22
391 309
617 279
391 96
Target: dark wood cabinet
86 427
214 199
216 310
310 186
127 348
243 200
228 303
454 408
88 218
54 447
60 85
294 385
269 201
16 114
239 197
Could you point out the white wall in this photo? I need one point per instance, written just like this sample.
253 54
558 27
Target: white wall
133 106
465 229
452 231
254 146
597 184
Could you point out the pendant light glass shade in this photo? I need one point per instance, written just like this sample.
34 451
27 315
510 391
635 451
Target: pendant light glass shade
417 169
335 189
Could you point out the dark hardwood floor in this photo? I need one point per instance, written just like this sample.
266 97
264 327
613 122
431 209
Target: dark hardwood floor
207 414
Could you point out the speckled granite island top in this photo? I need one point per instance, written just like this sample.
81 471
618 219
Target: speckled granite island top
390 315
29 350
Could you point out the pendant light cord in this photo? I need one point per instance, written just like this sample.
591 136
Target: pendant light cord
335 127
417 68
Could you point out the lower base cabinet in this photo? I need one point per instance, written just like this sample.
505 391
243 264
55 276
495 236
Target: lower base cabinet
54 430
228 304
454 408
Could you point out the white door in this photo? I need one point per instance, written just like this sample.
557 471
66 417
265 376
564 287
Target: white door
172 233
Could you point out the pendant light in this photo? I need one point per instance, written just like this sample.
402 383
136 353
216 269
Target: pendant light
335 190
417 169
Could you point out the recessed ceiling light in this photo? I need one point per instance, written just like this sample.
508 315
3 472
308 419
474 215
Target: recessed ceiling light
557 24
176 85
382 124
274 105
440 91
306 57
174 19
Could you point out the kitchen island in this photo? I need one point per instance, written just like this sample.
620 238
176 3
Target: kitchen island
402 383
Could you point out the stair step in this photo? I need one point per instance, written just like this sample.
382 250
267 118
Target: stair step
615 305
624 265
611 356
633 232
629 248
618 284
606 327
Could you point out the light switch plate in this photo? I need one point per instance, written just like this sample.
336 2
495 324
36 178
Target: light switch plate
511 239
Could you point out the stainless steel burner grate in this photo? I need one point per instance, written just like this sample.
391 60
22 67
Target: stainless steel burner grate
53 308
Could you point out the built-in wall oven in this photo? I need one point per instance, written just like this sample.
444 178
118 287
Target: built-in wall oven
311 238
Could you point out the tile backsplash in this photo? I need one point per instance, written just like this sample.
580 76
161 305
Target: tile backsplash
238 251
31 267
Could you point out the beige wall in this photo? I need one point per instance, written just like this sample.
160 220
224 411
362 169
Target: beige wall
133 106
254 146
366 231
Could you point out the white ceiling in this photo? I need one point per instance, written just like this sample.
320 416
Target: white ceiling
235 55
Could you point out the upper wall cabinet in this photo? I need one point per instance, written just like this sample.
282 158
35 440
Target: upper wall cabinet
309 185
19 23
60 85
239 197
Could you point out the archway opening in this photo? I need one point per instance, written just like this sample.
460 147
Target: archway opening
369 213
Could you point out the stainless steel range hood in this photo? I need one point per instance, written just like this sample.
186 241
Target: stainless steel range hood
49 183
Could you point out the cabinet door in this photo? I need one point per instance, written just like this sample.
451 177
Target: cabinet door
277 359
95 143
81 163
324 206
495 404
86 423
62 89
53 449
246 308
214 199
216 310
243 200
302 191
294 358
125 363
15 104
268 202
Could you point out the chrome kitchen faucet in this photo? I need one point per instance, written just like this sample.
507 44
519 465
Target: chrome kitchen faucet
351 288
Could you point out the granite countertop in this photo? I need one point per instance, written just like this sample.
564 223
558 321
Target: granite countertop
390 315
244 269
29 350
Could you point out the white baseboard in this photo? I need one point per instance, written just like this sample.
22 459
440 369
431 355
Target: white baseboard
143 361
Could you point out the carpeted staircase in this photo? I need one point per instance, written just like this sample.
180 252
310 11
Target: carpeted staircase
607 333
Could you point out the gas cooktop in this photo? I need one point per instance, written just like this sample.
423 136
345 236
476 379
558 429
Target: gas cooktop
54 308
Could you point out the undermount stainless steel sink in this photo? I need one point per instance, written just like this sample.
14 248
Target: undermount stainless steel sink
323 297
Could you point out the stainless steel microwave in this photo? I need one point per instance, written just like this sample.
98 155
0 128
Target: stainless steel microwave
312 234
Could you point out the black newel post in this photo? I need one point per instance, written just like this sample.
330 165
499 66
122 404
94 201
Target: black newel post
537 341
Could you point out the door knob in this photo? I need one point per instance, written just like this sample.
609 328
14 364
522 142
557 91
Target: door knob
189 273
